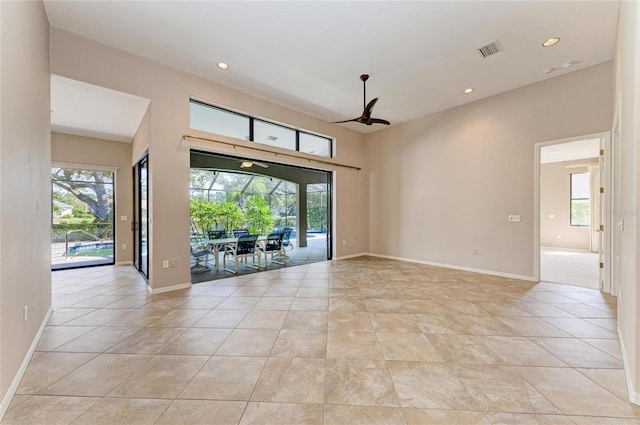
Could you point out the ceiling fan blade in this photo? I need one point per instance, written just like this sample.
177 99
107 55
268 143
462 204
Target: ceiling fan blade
351 120
378 121
369 107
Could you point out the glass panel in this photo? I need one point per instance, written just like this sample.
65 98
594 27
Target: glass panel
317 208
283 204
315 145
216 120
144 219
580 186
274 135
580 212
82 217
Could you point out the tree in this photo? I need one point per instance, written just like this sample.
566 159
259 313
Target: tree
203 215
230 216
89 186
258 215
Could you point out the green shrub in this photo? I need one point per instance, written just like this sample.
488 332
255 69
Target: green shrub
258 215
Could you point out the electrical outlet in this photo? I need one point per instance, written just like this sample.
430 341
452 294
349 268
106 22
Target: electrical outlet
25 313
124 246
165 264
344 242
173 262
474 251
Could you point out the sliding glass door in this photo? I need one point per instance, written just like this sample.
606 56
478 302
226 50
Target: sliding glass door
141 216
82 216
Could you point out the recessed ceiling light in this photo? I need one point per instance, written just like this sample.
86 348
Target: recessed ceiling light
469 90
246 164
222 65
550 42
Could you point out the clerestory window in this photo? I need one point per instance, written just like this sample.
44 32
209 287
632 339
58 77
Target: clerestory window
214 119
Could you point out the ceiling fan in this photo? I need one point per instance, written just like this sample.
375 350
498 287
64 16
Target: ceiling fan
244 163
366 118
248 164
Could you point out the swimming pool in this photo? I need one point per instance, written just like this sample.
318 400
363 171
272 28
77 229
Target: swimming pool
91 249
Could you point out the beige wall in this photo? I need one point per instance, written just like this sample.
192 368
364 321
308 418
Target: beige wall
169 91
91 151
555 208
626 206
445 184
25 176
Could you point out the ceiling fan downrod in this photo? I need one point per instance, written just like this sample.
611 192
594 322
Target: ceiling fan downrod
364 78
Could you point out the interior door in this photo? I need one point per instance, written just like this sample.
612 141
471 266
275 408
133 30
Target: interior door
604 202
601 227
616 222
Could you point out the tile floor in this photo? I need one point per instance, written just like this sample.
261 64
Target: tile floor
362 341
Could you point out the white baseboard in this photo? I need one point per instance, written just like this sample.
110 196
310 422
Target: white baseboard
454 267
634 396
124 263
346 257
168 288
23 367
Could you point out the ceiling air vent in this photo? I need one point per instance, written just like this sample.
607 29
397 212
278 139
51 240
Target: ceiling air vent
490 49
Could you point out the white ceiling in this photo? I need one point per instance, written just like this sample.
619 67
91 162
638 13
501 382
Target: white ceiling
308 55
87 110
580 149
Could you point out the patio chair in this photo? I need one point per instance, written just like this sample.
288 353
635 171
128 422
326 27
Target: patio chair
286 242
274 246
247 246
240 232
217 234
200 251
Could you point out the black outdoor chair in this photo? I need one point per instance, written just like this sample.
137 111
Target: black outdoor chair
200 251
240 232
247 246
217 234
274 246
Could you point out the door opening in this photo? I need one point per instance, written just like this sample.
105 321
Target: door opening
571 204
230 194
82 206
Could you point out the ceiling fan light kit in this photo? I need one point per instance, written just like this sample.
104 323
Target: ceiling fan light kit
249 164
366 118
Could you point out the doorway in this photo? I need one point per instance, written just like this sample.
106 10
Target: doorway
571 239
296 201
82 207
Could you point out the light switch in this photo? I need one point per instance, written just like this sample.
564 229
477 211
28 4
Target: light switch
514 219
123 218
